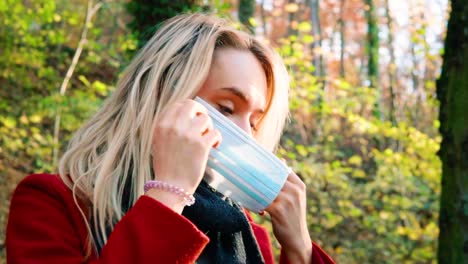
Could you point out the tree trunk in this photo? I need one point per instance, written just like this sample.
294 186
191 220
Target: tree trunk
415 112
372 44
291 17
342 41
391 67
317 59
263 15
246 13
149 14
372 50
452 91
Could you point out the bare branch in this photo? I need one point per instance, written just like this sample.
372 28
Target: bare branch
90 12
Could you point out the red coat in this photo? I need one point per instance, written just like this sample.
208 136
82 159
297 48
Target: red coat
45 226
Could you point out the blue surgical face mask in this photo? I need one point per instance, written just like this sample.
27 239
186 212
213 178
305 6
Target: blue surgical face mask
242 169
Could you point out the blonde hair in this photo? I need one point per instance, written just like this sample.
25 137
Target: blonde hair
112 151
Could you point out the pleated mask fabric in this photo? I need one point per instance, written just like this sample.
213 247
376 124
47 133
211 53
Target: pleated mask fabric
242 169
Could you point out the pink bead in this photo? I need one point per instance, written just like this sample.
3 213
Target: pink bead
188 198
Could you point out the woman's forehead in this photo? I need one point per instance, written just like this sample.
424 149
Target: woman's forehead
239 69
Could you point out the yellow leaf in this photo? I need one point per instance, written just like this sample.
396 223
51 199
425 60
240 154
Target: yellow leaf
359 174
338 250
22 132
35 118
355 160
304 27
291 8
388 152
413 236
307 39
84 80
253 22
276 13
401 230
57 18
38 137
384 215
9 122
24 119
294 24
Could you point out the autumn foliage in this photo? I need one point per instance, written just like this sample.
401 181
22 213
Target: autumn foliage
366 148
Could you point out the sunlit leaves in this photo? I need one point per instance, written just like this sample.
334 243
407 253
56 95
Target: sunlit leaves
38 41
366 177
8 122
372 185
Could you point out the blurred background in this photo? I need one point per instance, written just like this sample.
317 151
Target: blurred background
364 131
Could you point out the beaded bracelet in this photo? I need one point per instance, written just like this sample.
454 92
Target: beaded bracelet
188 198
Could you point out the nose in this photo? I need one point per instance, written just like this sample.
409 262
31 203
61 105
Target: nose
244 124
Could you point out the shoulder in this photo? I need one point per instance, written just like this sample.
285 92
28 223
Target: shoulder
49 187
51 183
46 198
42 215
42 179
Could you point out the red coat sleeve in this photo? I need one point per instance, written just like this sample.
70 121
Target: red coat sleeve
319 256
44 226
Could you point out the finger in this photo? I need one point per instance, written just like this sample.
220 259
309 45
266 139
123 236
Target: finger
282 198
278 211
294 178
273 207
191 108
186 113
169 114
213 138
202 123
294 186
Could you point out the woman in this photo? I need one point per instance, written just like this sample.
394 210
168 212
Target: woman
150 128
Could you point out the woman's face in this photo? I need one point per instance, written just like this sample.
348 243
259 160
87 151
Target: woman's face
237 87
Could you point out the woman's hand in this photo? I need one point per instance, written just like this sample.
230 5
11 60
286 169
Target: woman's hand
288 217
182 140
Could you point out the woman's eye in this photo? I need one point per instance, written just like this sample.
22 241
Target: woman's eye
225 110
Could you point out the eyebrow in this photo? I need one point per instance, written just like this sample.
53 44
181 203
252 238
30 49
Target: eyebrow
237 92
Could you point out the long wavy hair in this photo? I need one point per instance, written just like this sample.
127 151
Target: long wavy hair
109 158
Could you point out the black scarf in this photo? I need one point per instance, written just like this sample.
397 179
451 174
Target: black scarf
224 222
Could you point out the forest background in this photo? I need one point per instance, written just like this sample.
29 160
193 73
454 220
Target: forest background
364 131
